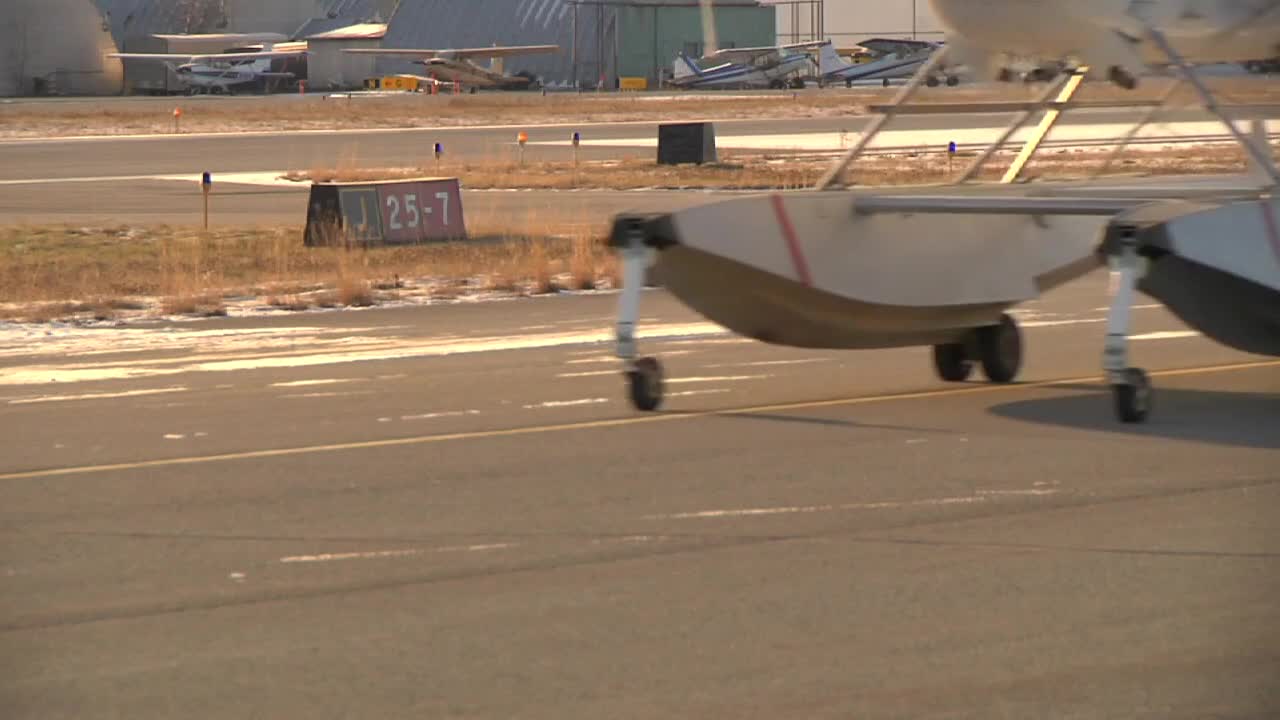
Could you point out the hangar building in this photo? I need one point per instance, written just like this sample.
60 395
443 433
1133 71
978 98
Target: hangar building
60 46
601 41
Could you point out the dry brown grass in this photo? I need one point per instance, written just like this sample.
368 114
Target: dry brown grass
53 272
61 272
99 116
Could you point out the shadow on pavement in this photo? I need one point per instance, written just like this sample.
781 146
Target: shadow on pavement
1250 420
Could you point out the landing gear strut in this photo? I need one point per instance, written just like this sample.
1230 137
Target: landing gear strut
644 375
1130 387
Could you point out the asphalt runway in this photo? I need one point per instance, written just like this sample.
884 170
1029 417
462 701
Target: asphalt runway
451 511
155 179
101 157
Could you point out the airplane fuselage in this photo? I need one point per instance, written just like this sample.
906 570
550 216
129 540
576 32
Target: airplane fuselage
1100 31
744 75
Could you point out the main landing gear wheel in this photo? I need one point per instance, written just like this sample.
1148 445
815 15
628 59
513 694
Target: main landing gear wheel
646 385
952 362
1000 349
1132 396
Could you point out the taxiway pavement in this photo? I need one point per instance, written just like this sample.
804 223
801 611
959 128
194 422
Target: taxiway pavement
452 512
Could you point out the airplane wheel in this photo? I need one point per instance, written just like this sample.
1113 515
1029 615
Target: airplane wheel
951 362
646 384
884 82
1133 396
953 81
932 81
1000 347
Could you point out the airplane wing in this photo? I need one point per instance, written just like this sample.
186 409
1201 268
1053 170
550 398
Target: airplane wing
496 51
164 57
889 45
742 55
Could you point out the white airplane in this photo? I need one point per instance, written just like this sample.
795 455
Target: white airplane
855 268
455 66
221 72
759 67
891 59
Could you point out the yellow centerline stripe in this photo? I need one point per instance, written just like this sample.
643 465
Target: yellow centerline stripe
597 424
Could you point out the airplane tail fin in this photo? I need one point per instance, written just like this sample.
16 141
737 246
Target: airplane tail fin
684 68
829 61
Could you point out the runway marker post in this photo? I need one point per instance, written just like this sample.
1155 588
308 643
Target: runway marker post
577 140
206 184
522 138
177 120
951 154
439 150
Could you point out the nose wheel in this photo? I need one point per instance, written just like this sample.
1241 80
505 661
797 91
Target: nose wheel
1132 396
645 382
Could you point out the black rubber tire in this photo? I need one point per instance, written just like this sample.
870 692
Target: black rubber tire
1133 397
931 81
645 384
1000 348
952 81
952 362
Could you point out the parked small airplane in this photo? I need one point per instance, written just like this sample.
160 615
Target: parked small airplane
455 66
853 268
890 59
222 72
758 67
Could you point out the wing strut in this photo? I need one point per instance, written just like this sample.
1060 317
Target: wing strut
1046 126
1041 102
837 171
1137 128
1255 153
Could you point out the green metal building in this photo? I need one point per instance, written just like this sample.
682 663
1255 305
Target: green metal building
650 33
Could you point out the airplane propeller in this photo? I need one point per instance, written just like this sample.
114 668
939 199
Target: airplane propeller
709 40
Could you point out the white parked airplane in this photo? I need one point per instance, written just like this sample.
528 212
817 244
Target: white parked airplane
892 59
860 268
757 67
221 72
455 65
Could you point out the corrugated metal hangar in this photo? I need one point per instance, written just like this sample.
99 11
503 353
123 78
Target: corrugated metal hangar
59 46
601 40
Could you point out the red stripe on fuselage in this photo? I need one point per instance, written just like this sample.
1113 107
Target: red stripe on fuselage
793 242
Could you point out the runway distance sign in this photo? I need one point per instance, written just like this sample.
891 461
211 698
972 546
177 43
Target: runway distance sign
399 212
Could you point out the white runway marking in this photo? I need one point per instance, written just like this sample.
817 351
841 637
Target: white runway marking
914 140
766 363
593 360
306 383
252 358
722 378
332 557
590 373
567 403
1168 335
434 415
690 393
174 437
96 396
304 396
980 496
